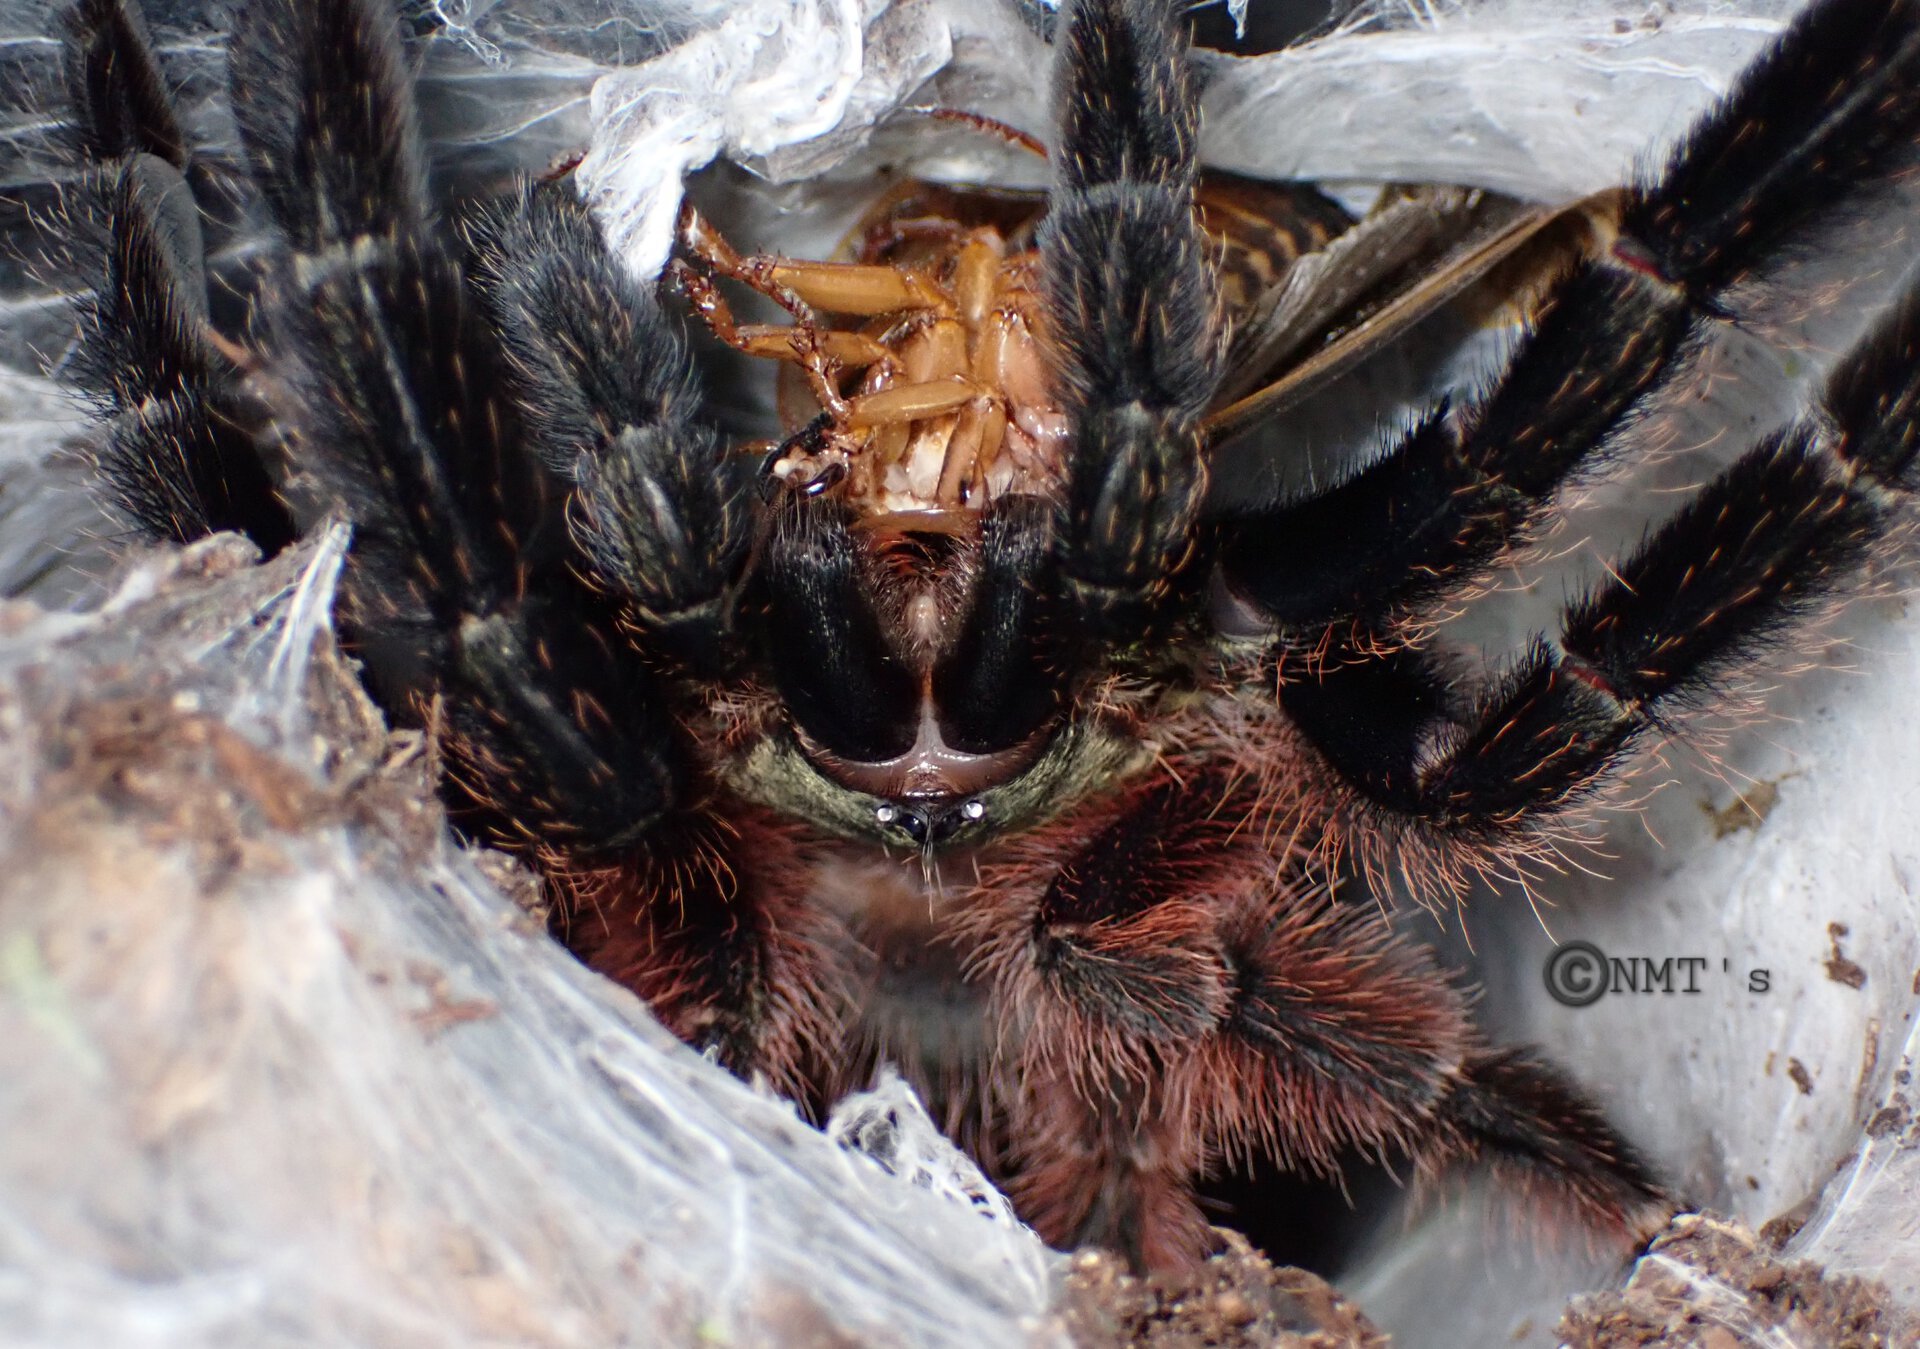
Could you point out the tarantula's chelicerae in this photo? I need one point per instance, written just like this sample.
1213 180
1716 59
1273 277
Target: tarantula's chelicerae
960 731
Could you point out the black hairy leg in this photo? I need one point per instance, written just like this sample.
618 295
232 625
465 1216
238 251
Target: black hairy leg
542 527
1824 113
1138 332
179 452
1784 528
116 89
394 413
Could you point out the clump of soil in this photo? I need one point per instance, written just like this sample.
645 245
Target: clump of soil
1711 1284
1237 1300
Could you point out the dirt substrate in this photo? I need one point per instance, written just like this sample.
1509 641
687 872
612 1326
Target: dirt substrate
1236 1300
1704 1284
1708 1284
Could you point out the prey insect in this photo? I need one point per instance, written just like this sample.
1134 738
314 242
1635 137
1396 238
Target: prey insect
963 730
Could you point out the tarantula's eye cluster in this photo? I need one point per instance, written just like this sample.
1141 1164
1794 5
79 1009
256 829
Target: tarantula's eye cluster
915 740
930 827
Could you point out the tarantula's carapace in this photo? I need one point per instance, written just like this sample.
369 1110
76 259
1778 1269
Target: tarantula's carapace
960 731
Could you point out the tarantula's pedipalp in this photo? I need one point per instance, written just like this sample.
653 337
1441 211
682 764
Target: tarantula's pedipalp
608 403
450 419
1824 112
1137 320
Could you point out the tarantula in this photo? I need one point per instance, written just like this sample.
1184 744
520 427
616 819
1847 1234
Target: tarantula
960 730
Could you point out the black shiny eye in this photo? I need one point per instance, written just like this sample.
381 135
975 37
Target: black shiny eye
908 820
930 823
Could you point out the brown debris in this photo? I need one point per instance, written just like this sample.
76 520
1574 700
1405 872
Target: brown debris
1840 969
1235 1300
1748 810
1890 1119
443 1010
1710 1284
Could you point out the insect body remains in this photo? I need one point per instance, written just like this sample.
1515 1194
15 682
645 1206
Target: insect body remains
925 737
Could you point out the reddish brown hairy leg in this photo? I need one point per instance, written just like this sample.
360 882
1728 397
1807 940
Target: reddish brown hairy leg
708 922
1527 1123
1176 996
1111 971
1111 1169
